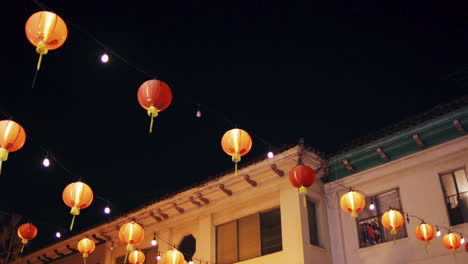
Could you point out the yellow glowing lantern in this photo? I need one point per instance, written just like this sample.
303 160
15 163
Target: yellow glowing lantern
236 143
136 257
77 195
86 246
452 241
352 202
172 257
392 220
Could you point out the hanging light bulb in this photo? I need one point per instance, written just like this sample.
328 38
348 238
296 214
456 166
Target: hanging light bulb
46 162
198 112
462 241
58 235
190 262
438 233
154 242
104 58
158 257
112 245
270 154
372 205
107 210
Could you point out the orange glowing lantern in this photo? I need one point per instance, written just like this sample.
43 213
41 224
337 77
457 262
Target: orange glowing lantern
352 202
452 241
302 177
131 234
136 257
172 257
12 138
26 232
86 246
392 220
425 232
236 143
47 31
77 195
154 96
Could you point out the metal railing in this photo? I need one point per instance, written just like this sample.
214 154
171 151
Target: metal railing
457 206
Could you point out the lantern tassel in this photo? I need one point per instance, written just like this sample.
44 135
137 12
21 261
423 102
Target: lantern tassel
235 168
152 112
42 49
39 62
125 259
22 248
425 246
1 166
72 222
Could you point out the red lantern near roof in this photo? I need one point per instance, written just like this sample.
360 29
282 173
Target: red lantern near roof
466 247
154 96
26 232
12 138
47 31
302 177
77 195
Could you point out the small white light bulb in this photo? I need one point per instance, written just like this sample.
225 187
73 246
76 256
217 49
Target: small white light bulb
104 58
46 162
270 154
154 242
462 241
190 262
372 207
107 210
198 114
438 233
58 235
158 258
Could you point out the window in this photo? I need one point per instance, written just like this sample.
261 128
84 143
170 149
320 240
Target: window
371 232
312 218
249 237
455 185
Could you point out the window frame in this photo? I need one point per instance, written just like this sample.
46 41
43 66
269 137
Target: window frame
446 197
378 215
259 213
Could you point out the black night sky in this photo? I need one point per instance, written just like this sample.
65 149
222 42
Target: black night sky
281 70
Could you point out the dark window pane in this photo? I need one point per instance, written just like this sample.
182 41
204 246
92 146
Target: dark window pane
312 217
270 231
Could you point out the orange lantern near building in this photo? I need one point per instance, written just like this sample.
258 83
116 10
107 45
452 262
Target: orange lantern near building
46 31
86 246
452 241
302 177
352 202
12 138
392 220
425 232
236 143
154 96
26 232
136 257
173 257
131 234
77 195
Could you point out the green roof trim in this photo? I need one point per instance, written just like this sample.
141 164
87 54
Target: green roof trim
433 132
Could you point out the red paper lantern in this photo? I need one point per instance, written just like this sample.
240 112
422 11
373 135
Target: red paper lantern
86 246
77 195
466 246
47 31
173 257
302 177
154 96
26 232
12 138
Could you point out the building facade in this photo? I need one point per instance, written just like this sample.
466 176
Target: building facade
257 217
